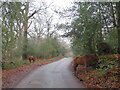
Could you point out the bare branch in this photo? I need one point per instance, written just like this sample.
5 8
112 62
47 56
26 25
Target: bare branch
29 25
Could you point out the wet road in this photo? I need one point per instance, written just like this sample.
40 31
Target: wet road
53 75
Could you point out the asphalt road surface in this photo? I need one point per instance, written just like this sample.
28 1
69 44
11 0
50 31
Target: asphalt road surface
53 75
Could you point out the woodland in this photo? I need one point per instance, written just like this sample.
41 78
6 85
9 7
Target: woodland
92 27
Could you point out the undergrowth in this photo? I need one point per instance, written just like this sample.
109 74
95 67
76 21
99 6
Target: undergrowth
106 74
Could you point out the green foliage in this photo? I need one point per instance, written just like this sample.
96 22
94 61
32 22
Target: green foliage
84 29
15 35
104 48
98 73
107 63
46 48
112 39
12 26
92 23
107 73
107 58
18 62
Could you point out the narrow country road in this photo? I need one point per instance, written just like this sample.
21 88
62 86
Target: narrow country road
53 75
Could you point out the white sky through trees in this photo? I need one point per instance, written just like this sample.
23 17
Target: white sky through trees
58 5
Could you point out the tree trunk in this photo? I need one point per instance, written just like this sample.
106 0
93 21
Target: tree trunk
113 14
25 41
118 24
100 26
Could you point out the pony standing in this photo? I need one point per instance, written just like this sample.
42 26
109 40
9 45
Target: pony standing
31 59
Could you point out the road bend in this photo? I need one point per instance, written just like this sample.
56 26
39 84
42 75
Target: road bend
53 75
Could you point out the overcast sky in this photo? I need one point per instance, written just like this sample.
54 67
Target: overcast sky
59 3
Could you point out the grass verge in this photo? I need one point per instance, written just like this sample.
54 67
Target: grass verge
16 62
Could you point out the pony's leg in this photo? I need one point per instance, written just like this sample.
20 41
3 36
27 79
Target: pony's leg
30 60
33 60
75 67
